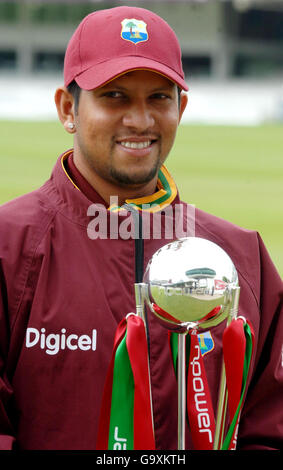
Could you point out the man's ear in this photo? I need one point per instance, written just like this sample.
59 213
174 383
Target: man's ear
183 104
65 108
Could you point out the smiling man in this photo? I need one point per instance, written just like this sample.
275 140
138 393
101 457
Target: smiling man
65 288
123 131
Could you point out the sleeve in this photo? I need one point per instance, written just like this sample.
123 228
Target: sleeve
23 224
7 439
261 424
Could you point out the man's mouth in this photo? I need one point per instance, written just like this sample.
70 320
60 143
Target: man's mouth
136 145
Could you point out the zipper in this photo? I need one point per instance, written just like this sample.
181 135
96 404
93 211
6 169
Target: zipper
139 256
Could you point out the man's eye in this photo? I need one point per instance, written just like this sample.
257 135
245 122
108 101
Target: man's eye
114 94
160 96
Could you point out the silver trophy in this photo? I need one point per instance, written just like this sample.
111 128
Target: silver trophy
188 279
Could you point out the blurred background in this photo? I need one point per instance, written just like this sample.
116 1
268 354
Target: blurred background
230 48
228 155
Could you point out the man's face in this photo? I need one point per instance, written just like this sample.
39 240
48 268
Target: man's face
125 129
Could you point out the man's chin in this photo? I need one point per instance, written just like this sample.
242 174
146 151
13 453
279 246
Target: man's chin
134 179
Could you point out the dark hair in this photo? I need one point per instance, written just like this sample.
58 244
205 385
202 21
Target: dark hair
179 91
75 91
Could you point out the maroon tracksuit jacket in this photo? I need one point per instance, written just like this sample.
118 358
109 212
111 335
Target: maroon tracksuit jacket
63 294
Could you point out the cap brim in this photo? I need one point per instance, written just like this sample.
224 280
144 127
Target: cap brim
102 73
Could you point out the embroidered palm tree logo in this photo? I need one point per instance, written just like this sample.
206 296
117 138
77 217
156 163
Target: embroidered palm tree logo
131 25
134 30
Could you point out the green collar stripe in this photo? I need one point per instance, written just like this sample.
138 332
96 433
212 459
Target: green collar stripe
165 197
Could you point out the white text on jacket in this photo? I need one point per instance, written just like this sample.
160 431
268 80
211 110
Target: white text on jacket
52 343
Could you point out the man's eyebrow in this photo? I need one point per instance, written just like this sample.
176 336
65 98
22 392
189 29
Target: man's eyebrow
114 85
163 88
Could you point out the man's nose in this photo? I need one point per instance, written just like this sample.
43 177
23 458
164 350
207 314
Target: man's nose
139 116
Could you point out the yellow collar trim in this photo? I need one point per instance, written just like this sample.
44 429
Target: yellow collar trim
63 158
167 191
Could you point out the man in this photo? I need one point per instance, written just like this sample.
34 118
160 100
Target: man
67 281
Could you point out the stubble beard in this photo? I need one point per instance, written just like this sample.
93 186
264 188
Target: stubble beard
113 174
125 179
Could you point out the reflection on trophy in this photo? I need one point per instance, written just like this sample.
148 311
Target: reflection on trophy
192 284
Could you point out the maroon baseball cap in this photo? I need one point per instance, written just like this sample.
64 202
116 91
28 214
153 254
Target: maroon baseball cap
109 43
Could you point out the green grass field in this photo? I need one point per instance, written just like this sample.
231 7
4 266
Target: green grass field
233 172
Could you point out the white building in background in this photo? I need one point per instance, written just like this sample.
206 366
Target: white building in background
230 49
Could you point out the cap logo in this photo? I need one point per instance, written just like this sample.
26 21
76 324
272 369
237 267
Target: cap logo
134 30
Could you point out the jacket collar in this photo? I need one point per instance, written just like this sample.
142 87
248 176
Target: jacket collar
165 194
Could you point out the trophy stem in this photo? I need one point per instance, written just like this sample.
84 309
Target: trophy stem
181 390
221 410
139 296
140 299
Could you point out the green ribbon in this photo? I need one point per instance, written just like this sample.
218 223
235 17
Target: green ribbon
173 338
121 428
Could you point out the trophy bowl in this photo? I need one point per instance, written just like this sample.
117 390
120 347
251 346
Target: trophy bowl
189 282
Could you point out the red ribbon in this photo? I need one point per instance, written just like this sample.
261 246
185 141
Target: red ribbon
138 354
162 313
234 346
199 405
234 353
237 353
136 344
